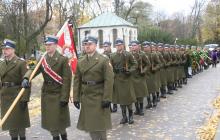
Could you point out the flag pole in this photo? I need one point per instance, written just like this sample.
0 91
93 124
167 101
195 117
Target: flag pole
20 93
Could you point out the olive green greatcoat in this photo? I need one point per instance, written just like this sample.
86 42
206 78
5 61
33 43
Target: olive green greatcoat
92 116
175 65
180 66
13 71
55 117
163 72
168 67
139 81
152 83
123 91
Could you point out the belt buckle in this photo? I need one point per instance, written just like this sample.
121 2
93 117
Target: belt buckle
90 82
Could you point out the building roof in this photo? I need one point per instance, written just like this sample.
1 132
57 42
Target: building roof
106 20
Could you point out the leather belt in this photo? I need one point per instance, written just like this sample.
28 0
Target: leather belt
50 83
9 84
92 82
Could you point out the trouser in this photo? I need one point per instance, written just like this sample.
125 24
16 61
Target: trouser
17 132
98 135
128 106
56 133
140 99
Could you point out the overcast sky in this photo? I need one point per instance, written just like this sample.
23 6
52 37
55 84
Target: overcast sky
172 6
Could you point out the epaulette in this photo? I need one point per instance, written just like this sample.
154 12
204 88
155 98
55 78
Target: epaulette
104 55
22 59
1 59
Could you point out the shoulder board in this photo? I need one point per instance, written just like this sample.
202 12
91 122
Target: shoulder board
1 59
22 59
104 55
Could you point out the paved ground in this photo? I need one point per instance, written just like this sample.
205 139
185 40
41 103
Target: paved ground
175 118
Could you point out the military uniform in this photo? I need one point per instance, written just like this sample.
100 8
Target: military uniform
107 52
93 87
11 75
55 96
152 76
163 71
139 77
169 68
124 65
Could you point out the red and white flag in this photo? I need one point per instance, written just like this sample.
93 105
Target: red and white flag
66 44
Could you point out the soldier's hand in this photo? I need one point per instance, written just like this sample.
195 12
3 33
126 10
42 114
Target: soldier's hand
63 103
106 104
23 105
25 83
76 104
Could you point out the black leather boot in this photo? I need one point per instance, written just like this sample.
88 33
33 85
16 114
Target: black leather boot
114 108
154 100
124 116
14 138
56 138
141 112
175 86
158 96
149 103
179 83
130 119
64 136
22 138
169 87
163 92
137 111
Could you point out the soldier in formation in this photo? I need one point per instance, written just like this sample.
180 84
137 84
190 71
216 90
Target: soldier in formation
12 70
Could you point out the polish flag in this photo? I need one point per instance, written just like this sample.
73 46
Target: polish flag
66 45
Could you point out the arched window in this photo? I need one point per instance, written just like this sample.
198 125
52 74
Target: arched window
115 36
100 32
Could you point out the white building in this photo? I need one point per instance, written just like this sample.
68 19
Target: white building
108 27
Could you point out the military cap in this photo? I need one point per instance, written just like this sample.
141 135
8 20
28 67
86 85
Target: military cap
7 43
134 42
91 39
160 44
182 47
172 46
177 46
107 44
153 44
146 44
84 41
119 42
166 46
51 39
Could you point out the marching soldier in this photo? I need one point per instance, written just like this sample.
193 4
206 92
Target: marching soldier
124 65
139 77
151 75
55 91
12 70
108 52
93 87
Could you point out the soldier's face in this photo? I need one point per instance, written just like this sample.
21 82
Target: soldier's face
90 48
119 47
147 49
107 48
50 48
7 52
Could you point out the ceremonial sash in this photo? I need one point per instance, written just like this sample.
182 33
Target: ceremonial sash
50 72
